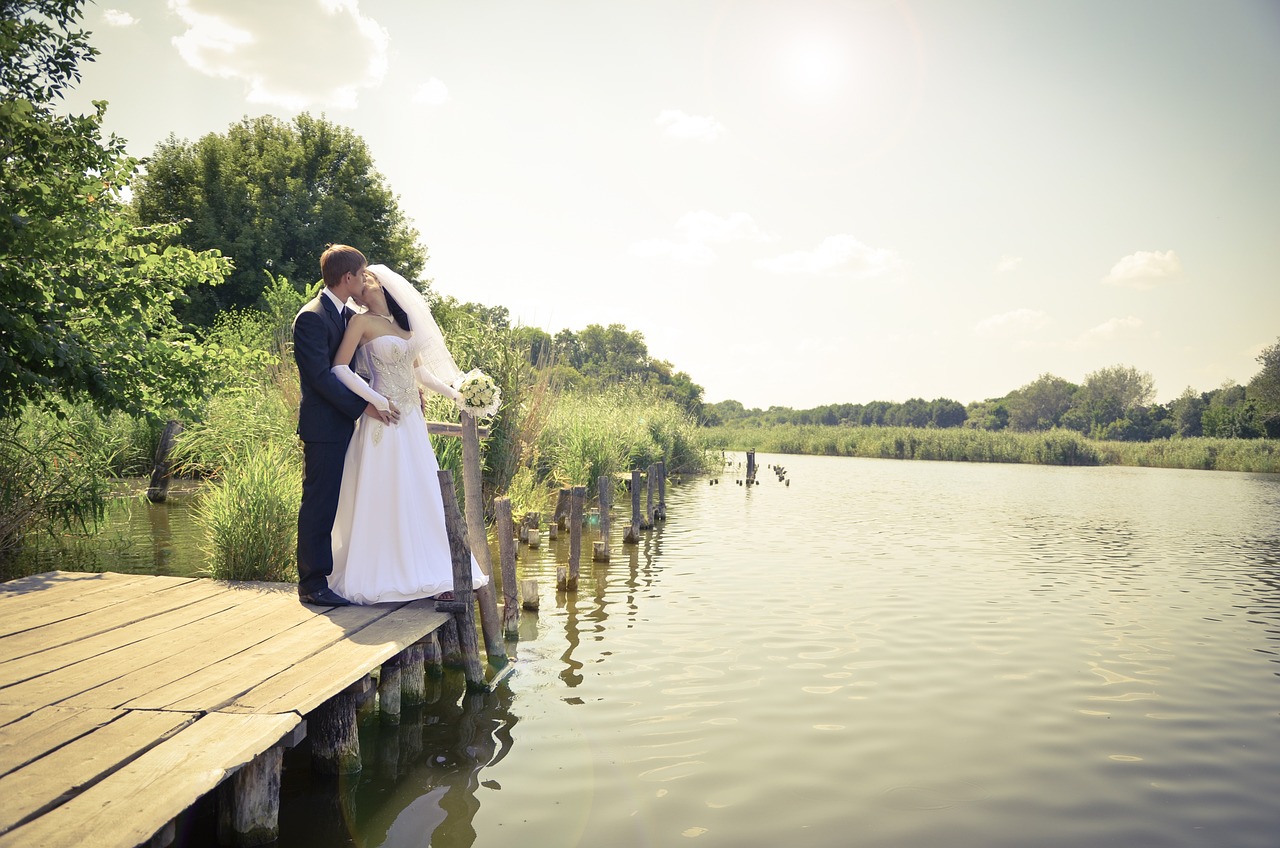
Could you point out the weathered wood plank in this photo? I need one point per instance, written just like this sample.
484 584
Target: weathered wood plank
253 621
27 663
308 683
45 730
10 713
49 580
215 686
128 806
22 611
63 683
50 780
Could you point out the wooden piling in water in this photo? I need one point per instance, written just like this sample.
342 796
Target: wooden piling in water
751 467
413 679
249 802
562 509
478 541
335 738
649 484
431 658
389 691
507 555
632 536
662 490
604 488
576 496
529 593
463 593
161 468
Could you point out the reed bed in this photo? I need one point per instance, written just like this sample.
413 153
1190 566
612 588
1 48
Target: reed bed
1054 447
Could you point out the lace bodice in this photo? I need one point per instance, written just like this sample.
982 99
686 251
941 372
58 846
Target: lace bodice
391 363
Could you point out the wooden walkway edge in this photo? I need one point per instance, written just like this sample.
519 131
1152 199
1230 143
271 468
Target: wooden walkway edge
126 698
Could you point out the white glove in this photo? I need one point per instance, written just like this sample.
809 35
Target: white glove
352 381
432 382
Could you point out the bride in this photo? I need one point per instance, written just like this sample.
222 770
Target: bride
389 541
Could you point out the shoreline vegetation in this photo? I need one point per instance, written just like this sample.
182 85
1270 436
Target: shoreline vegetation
1052 447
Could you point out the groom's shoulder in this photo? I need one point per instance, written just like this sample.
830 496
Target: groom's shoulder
313 306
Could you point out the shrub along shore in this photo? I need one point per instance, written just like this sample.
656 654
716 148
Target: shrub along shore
1052 447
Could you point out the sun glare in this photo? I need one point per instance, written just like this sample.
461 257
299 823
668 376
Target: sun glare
813 69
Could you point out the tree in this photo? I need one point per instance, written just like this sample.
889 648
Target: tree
1108 395
1264 389
1186 413
271 196
87 297
1040 404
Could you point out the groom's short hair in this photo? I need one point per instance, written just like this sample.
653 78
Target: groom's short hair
339 260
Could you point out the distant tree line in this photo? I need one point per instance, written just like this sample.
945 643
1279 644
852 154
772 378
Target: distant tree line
1114 403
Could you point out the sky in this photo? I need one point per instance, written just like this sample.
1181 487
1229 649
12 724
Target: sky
797 203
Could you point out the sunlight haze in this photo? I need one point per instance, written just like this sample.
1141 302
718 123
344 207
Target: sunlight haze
797 203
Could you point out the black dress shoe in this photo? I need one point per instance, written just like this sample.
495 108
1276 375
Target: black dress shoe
325 597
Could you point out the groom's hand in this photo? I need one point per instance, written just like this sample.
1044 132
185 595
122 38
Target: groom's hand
391 416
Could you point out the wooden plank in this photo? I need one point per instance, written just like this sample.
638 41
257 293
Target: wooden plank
10 713
128 806
52 779
213 687
43 649
69 681
255 621
311 682
46 580
24 611
46 730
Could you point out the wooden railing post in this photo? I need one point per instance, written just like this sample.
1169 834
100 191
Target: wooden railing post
507 554
479 540
463 606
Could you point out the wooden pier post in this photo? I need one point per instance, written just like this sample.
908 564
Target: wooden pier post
389 691
576 496
529 593
450 647
463 607
431 659
632 536
507 554
413 679
249 802
649 485
562 509
751 467
335 740
662 490
161 469
604 487
479 541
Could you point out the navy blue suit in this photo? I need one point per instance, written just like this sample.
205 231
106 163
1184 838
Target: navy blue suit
326 420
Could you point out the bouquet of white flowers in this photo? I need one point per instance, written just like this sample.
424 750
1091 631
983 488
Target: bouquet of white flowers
478 394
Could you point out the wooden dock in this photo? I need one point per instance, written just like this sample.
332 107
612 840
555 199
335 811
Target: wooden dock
126 698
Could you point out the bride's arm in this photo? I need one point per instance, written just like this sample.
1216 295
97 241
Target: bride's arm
353 381
432 382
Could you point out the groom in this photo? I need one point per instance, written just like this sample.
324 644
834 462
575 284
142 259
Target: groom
326 417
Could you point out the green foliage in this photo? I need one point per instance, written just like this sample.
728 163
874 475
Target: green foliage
272 195
257 415
915 412
1264 389
51 478
88 298
1040 404
249 516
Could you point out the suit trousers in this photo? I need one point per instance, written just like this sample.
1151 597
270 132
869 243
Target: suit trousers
321 485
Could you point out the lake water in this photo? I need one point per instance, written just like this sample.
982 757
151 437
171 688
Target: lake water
881 653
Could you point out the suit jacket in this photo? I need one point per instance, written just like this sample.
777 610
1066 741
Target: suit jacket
329 410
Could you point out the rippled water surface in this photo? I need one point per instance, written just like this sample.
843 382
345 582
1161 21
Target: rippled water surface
887 654
879 654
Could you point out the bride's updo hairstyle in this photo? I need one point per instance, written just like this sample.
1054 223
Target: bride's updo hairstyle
397 311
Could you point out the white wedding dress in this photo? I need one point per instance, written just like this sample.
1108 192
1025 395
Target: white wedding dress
389 541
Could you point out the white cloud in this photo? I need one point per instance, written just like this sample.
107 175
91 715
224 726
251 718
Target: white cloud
294 54
1144 270
1013 322
1008 263
838 254
680 252
1114 328
698 230
432 93
117 18
677 124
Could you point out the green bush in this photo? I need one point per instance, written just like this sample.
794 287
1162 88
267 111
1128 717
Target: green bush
249 516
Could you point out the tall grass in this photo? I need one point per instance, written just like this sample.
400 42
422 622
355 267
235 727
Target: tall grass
590 435
1054 447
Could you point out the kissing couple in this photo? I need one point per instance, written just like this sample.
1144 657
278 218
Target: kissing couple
371 522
